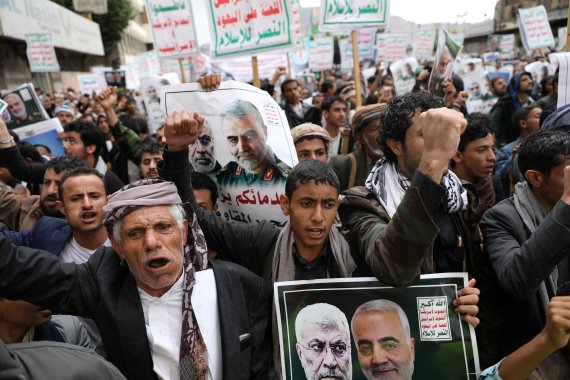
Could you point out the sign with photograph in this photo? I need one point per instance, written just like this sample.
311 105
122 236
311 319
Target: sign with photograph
117 78
41 53
44 133
24 107
350 319
403 74
354 14
447 51
535 28
246 147
250 26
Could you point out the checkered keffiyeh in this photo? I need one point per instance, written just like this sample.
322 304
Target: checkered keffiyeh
158 192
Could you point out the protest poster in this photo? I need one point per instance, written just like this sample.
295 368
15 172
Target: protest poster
477 86
117 78
300 58
172 26
148 64
98 7
403 74
392 47
132 77
563 62
41 53
150 87
44 133
240 28
89 84
424 44
562 34
421 317
534 28
321 54
345 47
297 34
351 15
240 67
248 152
24 107
447 51
481 105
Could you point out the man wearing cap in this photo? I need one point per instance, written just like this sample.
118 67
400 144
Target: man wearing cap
311 142
156 299
353 169
65 114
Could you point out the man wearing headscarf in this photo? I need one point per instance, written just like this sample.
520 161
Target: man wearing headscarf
162 309
517 96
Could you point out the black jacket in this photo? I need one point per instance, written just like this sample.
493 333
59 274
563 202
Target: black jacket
105 290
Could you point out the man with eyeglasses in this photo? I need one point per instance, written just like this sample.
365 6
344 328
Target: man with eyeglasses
246 136
201 152
381 331
323 342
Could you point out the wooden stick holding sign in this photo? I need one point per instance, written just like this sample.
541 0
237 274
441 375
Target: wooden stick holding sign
255 68
50 85
182 73
356 68
290 72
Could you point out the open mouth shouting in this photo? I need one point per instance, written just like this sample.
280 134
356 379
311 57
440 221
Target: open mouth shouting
88 217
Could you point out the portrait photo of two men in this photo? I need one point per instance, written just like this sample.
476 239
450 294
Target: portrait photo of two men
361 329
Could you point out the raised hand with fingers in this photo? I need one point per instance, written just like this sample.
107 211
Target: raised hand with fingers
182 129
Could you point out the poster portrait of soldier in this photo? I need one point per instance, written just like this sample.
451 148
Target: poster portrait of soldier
23 107
253 160
245 146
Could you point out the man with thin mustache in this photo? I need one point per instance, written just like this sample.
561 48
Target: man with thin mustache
246 136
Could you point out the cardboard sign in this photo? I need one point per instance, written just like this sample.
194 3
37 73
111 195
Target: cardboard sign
41 53
355 14
321 54
392 47
534 28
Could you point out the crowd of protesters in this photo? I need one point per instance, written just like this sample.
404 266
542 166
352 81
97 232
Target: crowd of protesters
406 184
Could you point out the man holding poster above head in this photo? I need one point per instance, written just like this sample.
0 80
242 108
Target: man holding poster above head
246 136
323 342
381 331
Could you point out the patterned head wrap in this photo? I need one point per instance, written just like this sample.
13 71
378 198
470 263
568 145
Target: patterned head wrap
158 192
365 115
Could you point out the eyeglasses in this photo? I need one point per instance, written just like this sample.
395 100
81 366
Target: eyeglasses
339 349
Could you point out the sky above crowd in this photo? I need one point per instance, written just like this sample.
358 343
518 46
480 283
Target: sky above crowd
417 11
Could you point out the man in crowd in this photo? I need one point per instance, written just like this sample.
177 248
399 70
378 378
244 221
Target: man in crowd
65 114
474 162
527 120
334 112
353 169
294 108
82 140
202 155
246 136
323 342
517 96
532 230
403 221
150 158
159 262
381 331
311 142
205 191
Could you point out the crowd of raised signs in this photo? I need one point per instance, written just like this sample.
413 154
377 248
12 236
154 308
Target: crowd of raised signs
452 166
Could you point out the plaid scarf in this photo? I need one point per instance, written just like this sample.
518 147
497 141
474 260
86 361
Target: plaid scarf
157 192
